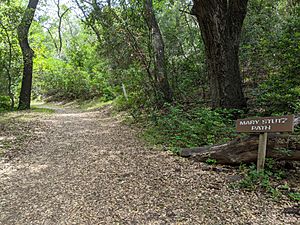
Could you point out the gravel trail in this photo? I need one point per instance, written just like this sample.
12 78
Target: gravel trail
88 168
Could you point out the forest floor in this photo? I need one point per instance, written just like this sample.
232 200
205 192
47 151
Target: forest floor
88 167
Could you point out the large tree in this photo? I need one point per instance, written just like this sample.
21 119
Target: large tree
220 22
28 53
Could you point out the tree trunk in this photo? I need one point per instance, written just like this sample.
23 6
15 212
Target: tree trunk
159 53
60 18
28 53
244 150
220 22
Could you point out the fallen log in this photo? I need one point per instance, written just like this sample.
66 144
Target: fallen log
244 150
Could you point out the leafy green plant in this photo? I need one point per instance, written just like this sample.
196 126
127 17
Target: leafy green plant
284 151
295 196
281 92
211 161
61 80
178 126
267 181
4 103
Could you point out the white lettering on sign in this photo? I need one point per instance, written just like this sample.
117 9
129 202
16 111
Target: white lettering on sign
272 121
263 122
249 122
261 128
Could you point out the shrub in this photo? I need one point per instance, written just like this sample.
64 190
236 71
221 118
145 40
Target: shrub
4 103
281 92
273 180
178 126
61 80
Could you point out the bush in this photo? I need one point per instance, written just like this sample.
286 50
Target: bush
279 95
181 127
281 92
4 103
61 80
273 180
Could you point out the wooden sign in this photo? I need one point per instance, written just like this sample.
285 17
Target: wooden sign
266 124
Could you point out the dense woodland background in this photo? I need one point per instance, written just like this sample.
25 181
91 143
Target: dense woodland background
157 61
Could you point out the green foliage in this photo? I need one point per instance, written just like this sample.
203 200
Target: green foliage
184 52
4 103
141 95
261 27
284 151
93 104
268 181
295 196
42 110
270 57
179 126
281 92
62 81
77 76
211 161
10 54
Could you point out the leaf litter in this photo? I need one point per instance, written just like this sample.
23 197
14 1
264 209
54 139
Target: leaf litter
87 167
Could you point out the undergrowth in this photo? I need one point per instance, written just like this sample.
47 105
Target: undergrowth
182 127
272 181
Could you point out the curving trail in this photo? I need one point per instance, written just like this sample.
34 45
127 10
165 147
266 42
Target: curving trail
88 168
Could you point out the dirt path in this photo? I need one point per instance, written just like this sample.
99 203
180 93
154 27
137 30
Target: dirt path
88 168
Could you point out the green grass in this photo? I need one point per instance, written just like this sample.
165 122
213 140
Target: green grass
92 104
40 109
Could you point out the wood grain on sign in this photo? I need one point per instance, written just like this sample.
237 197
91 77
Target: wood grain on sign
266 124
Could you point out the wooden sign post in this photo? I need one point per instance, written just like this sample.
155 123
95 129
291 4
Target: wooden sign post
265 125
262 151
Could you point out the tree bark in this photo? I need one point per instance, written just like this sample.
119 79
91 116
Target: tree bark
244 150
28 53
60 18
159 53
220 22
